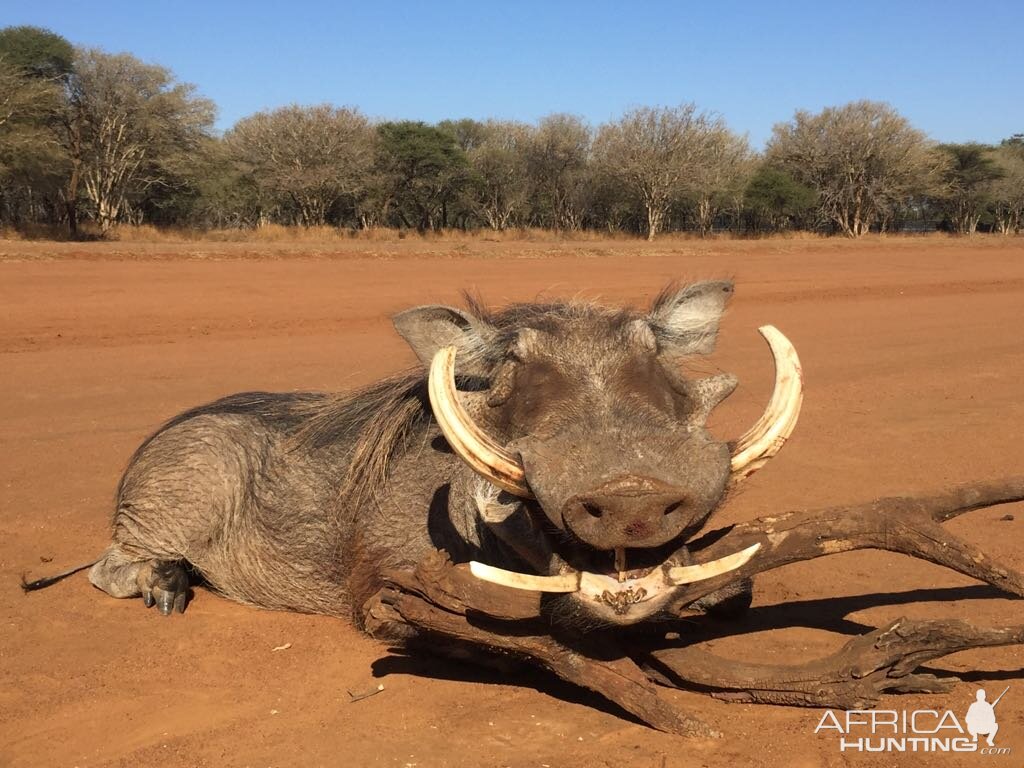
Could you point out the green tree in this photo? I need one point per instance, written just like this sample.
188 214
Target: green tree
34 64
30 160
776 201
36 52
421 169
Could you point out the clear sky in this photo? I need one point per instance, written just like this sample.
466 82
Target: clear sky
953 68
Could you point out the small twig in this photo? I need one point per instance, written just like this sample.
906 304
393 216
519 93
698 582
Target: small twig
365 694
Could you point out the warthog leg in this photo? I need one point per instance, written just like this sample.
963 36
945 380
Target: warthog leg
852 678
166 586
164 583
433 600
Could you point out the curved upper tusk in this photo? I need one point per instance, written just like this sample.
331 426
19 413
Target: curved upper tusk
474 446
762 441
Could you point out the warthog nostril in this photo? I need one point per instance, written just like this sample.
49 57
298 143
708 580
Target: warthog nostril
629 511
676 505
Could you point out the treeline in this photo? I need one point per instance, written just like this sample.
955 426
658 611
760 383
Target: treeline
87 135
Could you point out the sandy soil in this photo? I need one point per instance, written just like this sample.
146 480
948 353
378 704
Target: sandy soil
915 379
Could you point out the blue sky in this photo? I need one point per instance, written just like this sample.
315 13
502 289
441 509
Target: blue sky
954 69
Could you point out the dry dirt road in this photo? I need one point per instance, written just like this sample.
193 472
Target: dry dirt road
914 358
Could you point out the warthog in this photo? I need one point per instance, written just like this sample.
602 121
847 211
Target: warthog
560 447
559 455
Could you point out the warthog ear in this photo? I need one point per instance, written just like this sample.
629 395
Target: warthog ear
429 328
685 321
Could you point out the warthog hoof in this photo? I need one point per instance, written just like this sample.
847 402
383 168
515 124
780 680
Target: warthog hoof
165 584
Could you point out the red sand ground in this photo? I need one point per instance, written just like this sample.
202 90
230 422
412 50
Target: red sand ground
915 380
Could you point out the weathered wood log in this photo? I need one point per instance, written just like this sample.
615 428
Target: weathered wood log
852 678
421 599
441 599
455 589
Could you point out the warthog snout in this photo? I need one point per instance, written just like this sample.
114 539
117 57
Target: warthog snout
628 511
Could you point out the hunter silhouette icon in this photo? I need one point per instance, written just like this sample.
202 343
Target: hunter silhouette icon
981 717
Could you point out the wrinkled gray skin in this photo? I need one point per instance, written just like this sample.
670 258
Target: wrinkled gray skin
298 501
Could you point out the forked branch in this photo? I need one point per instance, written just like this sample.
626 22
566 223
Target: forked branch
432 600
852 678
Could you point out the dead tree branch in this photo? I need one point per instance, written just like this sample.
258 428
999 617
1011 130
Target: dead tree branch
439 599
852 678
432 599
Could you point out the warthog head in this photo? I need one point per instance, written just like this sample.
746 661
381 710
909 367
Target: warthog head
590 441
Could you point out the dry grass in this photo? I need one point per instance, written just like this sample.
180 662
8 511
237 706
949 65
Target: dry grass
277 233
279 242
32 232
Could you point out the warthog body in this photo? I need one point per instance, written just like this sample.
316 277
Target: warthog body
299 501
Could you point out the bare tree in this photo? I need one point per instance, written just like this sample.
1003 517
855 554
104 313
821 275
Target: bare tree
654 151
861 158
558 154
1007 192
128 122
307 158
969 174
498 161
718 178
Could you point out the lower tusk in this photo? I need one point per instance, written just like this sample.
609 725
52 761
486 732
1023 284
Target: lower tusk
687 574
597 586
567 582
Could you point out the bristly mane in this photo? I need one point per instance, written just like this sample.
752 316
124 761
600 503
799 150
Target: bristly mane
376 421
544 317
